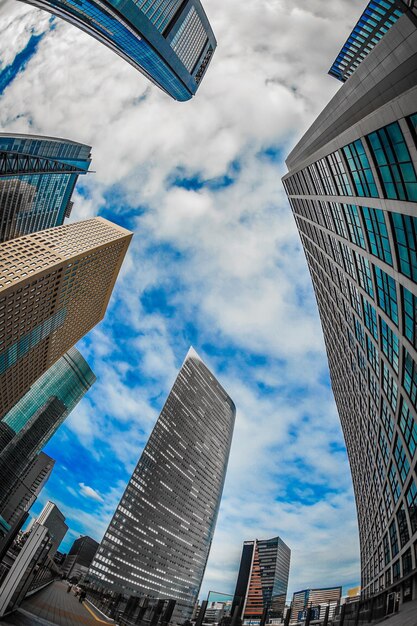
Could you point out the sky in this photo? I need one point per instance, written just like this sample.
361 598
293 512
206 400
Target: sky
215 262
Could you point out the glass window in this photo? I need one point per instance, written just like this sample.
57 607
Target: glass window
353 221
396 571
410 377
360 169
338 219
364 273
387 294
408 428
410 317
386 419
348 260
326 177
393 539
355 299
401 459
394 163
402 525
405 236
390 345
413 122
387 554
384 445
339 174
377 234
407 563
360 333
411 497
394 483
389 386
370 317
373 354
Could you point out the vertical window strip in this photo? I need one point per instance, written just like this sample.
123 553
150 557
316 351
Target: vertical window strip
360 169
377 234
405 236
387 294
394 163
354 225
390 345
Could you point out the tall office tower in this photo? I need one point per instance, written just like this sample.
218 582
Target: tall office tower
23 495
80 557
54 520
37 416
158 541
37 178
170 41
54 287
352 185
263 579
315 598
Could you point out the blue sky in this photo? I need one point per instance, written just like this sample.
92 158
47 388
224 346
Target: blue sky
215 262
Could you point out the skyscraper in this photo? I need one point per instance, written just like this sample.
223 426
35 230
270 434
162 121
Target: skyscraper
352 185
24 493
158 541
169 41
263 579
54 520
54 287
37 178
80 556
36 417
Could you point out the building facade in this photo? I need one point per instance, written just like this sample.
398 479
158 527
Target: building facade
54 520
36 417
262 580
23 495
317 600
352 185
37 178
54 287
169 41
80 557
158 541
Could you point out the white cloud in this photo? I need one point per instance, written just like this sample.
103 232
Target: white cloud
89 492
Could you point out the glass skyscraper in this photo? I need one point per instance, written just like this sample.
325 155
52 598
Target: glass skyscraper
169 41
262 580
158 541
37 416
37 178
352 185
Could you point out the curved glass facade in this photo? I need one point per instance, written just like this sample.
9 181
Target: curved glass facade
360 242
34 200
170 41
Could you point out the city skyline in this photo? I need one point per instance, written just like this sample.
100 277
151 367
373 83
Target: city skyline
216 249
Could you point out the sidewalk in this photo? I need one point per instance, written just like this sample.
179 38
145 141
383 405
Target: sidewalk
54 606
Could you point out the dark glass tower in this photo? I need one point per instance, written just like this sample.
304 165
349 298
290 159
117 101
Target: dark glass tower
37 416
263 579
37 178
158 541
352 185
170 41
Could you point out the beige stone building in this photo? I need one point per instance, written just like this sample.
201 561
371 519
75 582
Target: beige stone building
54 287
